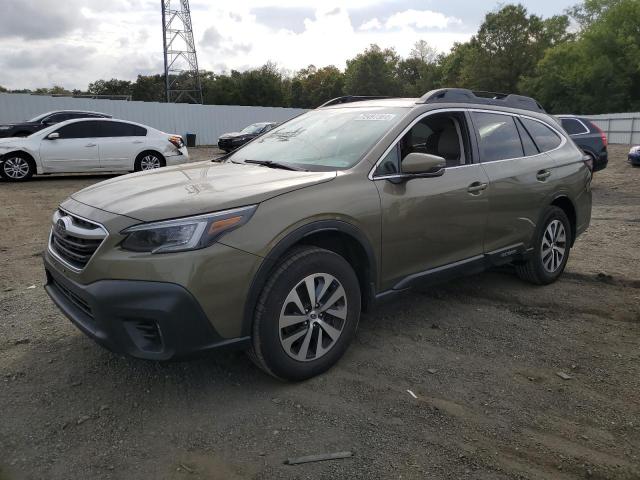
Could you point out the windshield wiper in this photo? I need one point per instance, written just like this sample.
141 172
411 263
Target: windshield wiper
272 164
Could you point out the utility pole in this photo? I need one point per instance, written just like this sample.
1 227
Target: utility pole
181 74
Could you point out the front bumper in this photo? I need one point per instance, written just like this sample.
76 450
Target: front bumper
634 158
230 143
150 320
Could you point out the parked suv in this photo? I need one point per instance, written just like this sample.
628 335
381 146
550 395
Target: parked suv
589 137
280 247
24 129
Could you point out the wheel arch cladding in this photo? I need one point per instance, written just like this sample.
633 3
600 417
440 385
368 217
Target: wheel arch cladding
337 236
569 209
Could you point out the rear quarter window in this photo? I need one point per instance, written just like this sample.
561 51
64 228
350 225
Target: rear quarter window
545 138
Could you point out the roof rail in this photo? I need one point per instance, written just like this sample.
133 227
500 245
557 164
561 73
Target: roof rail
350 99
462 95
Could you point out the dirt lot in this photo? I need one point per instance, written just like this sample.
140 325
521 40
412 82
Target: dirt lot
481 354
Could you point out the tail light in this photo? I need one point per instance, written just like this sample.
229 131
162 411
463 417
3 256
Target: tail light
603 136
177 141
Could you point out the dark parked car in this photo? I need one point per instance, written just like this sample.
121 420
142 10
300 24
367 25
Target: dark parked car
233 140
634 156
45 120
589 137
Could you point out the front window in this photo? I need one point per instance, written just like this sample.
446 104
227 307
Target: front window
331 139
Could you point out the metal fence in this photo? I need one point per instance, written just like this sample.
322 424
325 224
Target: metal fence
208 122
621 128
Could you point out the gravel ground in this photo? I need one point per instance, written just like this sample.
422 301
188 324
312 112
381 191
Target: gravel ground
481 354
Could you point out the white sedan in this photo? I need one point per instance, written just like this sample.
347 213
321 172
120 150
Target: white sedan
90 145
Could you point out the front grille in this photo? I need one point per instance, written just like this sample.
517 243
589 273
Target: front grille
73 298
74 240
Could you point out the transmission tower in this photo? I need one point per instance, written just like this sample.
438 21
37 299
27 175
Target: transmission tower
182 78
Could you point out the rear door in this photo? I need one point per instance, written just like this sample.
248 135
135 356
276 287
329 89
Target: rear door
122 142
520 176
75 150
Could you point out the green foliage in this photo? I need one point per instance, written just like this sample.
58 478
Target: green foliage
599 71
373 72
311 87
110 87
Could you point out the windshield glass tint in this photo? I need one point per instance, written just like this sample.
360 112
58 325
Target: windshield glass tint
39 117
330 139
255 128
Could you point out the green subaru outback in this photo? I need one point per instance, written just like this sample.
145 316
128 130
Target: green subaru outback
280 247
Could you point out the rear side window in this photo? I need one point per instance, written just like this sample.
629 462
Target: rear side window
119 129
573 126
545 138
497 136
88 129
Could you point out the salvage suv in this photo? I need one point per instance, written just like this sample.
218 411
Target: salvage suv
279 247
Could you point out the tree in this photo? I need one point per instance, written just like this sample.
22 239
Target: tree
149 88
110 87
599 71
311 87
508 46
373 72
423 52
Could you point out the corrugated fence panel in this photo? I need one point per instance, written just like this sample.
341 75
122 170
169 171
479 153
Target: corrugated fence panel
621 128
208 122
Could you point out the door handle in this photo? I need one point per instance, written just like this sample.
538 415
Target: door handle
476 187
138 141
90 145
542 175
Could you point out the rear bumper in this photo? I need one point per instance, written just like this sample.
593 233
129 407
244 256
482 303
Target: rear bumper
634 159
601 161
150 320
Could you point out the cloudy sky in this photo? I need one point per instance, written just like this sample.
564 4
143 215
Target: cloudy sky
73 42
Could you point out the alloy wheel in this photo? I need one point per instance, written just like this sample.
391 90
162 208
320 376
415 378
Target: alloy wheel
554 245
313 317
149 162
16 168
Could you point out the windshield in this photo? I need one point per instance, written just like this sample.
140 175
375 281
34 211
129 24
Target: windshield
255 128
330 139
39 117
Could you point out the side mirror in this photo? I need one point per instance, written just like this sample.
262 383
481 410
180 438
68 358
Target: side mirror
423 165
53 136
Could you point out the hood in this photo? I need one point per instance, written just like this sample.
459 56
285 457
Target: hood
193 189
10 140
236 134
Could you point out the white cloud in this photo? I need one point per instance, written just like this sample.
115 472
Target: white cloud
124 42
421 19
373 24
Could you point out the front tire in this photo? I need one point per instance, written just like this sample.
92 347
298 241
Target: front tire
551 250
306 316
149 161
17 168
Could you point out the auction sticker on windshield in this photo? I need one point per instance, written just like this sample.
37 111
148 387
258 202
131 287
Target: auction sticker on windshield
384 117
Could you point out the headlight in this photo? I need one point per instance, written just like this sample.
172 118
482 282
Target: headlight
182 234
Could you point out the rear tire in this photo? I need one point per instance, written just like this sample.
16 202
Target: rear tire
149 161
17 168
295 337
551 249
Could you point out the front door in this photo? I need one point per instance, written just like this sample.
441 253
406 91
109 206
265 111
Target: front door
429 223
75 150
